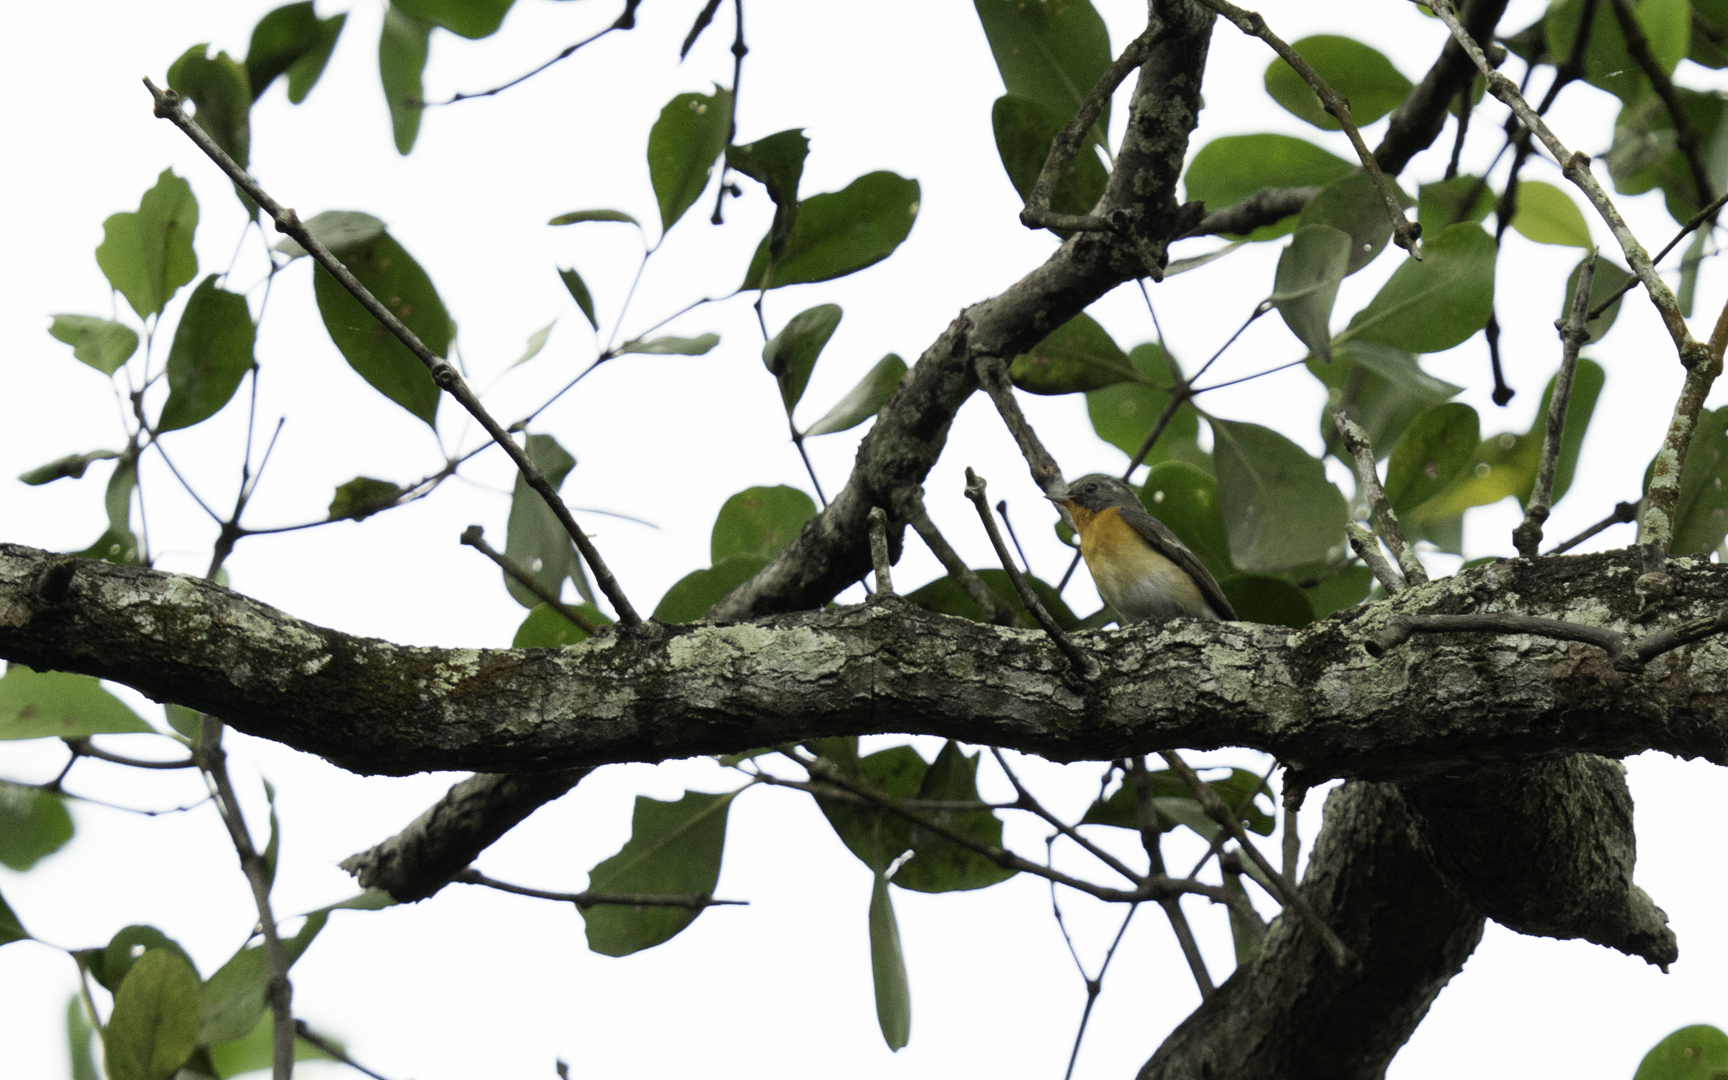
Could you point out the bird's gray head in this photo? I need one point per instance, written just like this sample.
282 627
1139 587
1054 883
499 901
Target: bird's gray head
1097 492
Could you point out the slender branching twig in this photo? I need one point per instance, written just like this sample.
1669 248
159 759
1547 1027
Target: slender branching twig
1001 613
624 21
475 537
1146 817
1623 513
1624 653
1367 549
1573 334
1368 477
692 901
879 551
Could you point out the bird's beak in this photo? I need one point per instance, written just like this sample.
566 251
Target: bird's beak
1059 500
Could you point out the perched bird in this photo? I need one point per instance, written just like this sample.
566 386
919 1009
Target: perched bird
1141 569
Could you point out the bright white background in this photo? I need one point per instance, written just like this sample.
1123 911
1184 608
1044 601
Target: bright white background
475 983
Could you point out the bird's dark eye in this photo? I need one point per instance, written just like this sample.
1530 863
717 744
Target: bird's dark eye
1091 487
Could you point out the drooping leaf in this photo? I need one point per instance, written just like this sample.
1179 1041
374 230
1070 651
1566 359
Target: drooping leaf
1434 449
60 705
212 352
147 254
33 825
1605 282
1434 304
303 74
683 146
945 596
1053 53
1262 598
759 521
536 342
1352 205
1548 215
839 232
790 356
672 346
547 628
674 849
102 344
1380 387
693 594
272 847
402 50
1306 284
1698 1052
1077 356
1185 498
232 1000
391 274
338 230
72 465
469 18
777 163
1440 205
117 544
1279 509
154 1026
1024 130
536 539
1124 414
280 38
864 400
1227 170
78 1036
888 962
362 497
1361 74
1701 514
577 216
256 1050
579 293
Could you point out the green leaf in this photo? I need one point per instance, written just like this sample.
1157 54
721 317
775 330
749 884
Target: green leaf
1606 281
73 466
256 1050
273 847
10 928
117 544
212 352
1185 498
1701 515
1689 264
1053 53
1362 75
303 74
1262 598
1078 356
60 705
693 594
189 723
674 848
111 964
1225 171
338 230
790 356
102 344
232 999
1434 449
281 37
839 233
945 596
938 864
887 962
1024 130
1698 1052
1380 387
1645 153
759 521
154 1026
1351 204
536 342
576 216
579 293
1175 805
1440 205
864 400
671 346
1244 935
1123 415
401 64
535 539
1548 215
1335 591
362 497
1278 507
546 628
391 274
33 825
147 254
470 18
683 146
1437 303
222 92
1607 63
777 163
1306 284
78 1036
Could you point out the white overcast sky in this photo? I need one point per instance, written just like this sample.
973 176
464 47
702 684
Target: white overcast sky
481 984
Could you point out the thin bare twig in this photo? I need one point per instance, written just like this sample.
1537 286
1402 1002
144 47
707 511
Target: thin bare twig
585 899
475 537
1573 334
624 21
1001 613
1623 512
1146 817
993 377
331 1048
82 748
1026 801
1624 653
1692 225
879 551
1356 441
1094 986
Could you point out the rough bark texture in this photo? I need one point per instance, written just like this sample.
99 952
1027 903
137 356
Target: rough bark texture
1292 1014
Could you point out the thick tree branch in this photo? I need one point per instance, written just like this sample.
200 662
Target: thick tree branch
1418 119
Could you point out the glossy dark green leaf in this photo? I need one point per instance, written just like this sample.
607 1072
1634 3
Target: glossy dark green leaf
577 216
1124 414
1605 282
547 628
402 49
1440 205
1225 171
1607 63
1437 303
1381 388
693 594
212 352
338 230
34 824
469 18
1548 215
1262 598
1698 1052
683 146
110 964
281 37
1185 498
536 539
840 232
102 344
790 356
579 293
1024 129
888 962
392 275
1361 74
60 705
1353 205
945 596
10 928
1278 507
147 254
672 346
362 497
1434 449
1244 936
154 1026
864 400
303 74
1077 356
777 163
759 521
1053 53
71 466
1334 591
1701 515
674 848
255 1051
78 1036
1306 284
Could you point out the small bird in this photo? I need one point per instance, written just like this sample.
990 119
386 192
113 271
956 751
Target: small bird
1141 569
